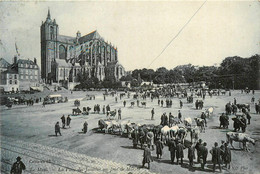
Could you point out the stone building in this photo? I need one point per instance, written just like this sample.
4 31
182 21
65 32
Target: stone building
64 57
3 65
9 80
20 75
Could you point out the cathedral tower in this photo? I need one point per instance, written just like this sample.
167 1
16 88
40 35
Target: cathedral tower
49 33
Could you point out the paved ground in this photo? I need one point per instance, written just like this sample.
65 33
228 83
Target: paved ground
30 132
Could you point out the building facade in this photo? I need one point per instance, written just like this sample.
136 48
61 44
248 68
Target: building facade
9 80
20 75
63 58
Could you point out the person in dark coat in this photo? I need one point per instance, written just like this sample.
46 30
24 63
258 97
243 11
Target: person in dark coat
179 152
68 120
85 127
257 108
203 116
18 166
159 148
179 115
108 108
191 154
222 153
181 104
243 123
124 103
63 120
215 152
119 114
147 157
135 138
204 154
198 148
227 156
221 120
152 112
57 128
248 116
172 148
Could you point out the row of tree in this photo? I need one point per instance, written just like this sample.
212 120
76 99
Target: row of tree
234 72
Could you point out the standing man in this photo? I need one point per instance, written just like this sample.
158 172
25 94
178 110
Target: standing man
159 148
68 120
191 154
108 108
152 112
63 120
124 103
119 114
215 152
204 154
147 157
162 103
18 166
227 156
57 128
243 123
85 127
235 101
203 116
179 152
198 148
181 104
179 115
172 148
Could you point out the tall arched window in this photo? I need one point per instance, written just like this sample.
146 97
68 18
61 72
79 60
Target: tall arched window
62 52
52 32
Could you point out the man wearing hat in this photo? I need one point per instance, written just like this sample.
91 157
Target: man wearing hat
203 116
179 152
204 154
57 128
18 166
198 148
147 157
191 154
215 152
172 148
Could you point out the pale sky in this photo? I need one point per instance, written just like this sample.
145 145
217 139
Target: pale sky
140 30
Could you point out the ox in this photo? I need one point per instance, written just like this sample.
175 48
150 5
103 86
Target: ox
209 111
239 137
187 121
200 123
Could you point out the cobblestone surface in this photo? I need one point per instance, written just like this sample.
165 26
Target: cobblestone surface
44 159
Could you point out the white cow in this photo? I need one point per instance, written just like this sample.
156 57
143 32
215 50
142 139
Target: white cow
239 137
209 111
187 121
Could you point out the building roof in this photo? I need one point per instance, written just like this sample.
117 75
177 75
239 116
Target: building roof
90 36
10 71
4 63
24 61
62 62
67 39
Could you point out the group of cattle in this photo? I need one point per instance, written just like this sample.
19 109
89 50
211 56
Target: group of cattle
164 132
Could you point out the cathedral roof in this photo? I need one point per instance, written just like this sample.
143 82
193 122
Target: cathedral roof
90 36
66 39
4 63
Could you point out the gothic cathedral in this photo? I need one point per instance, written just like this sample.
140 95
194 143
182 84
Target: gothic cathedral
65 58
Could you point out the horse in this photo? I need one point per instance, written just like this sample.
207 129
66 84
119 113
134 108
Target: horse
239 137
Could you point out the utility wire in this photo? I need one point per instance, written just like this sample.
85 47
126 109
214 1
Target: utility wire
177 33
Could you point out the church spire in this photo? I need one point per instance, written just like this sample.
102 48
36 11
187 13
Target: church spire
49 15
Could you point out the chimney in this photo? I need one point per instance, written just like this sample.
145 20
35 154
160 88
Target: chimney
35 61
15 59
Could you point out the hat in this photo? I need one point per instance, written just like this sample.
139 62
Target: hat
18 158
